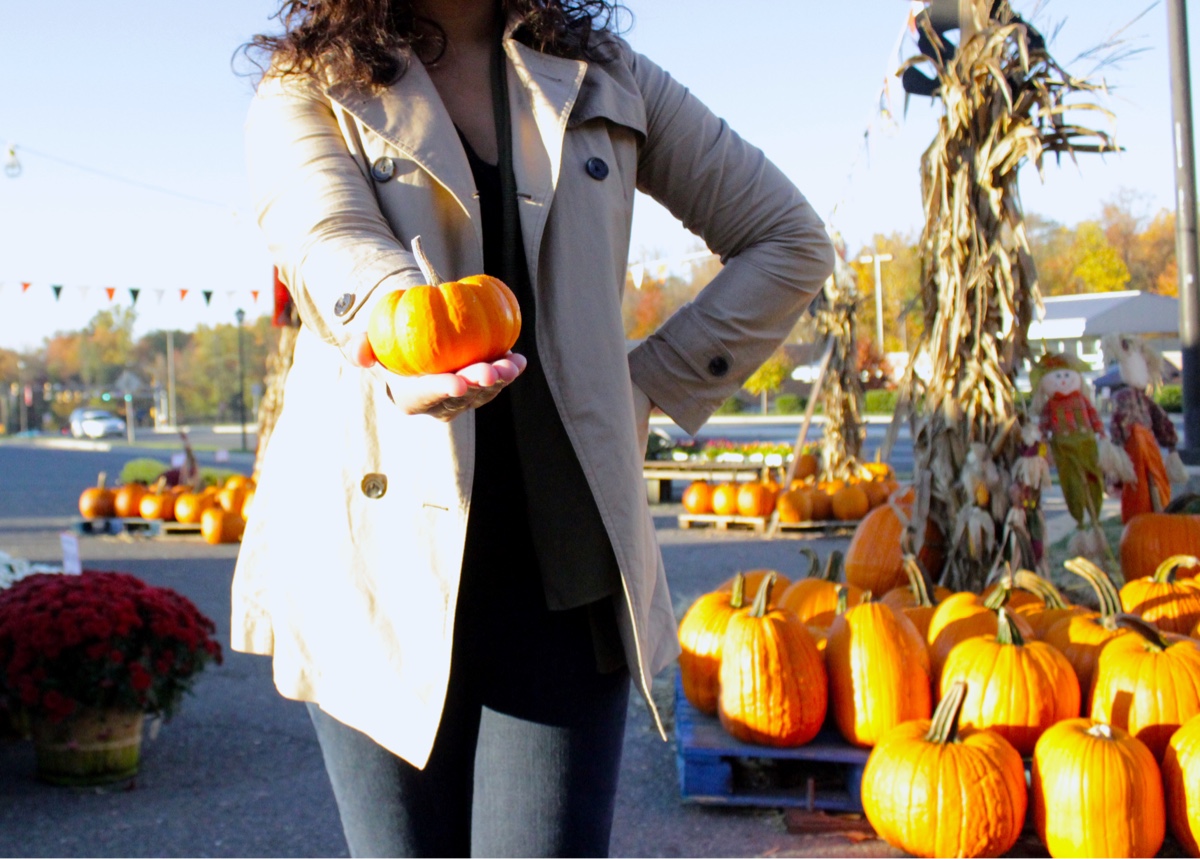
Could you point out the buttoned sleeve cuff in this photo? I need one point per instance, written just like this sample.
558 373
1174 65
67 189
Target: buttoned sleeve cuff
686 348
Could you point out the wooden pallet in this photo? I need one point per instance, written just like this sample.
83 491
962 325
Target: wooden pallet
134 527
716 769
758 524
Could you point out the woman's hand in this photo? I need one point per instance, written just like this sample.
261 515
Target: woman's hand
442 395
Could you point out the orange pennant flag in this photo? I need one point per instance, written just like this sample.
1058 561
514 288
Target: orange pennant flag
110 291
25 286
254 292
182 294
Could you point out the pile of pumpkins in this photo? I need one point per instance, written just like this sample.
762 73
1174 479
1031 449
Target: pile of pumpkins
220 511
806 499
955 692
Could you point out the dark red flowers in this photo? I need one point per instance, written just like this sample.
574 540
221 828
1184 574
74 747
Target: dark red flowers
100 639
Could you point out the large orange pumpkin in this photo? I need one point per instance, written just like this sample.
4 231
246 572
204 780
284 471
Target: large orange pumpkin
443 326
1096 792
1171 605
915 600
1150 538
97 502
218 525
189 506
700 635
807 466
1181 784
1081 637
875 556
756 498
158 504
878 671
850 503
814 598
1015 687
795 505
774 689
965 615
1148 683
724 499
932 789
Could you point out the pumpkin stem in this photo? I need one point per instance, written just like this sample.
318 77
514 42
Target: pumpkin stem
423 263
999 597
1165 573
1106 592
1006 629
814 563
1043 589
916 581
1101 730
101 479
763 598
1145 629
737 599
833 566
944 727
843 600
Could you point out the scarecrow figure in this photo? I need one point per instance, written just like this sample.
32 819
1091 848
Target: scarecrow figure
1030 476
1085 459
1141 426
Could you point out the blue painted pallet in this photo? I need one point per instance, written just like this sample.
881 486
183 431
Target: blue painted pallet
716 769
117 525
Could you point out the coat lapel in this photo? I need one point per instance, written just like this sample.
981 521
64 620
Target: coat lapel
411 116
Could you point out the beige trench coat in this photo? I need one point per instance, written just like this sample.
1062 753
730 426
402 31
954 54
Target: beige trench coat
352 589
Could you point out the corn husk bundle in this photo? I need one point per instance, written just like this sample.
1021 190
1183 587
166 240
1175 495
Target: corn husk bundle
841 392
1004 102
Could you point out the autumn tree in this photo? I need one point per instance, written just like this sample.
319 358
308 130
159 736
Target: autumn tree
769 377
900 278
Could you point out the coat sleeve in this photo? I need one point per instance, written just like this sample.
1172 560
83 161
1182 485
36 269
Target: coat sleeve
775 252
317 208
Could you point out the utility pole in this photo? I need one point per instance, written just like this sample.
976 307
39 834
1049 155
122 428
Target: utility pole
171 413
1185 228
877 258
241 316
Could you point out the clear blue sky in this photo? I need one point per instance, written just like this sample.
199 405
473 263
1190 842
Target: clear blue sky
143 90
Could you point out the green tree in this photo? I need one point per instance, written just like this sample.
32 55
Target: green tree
769 377
106 347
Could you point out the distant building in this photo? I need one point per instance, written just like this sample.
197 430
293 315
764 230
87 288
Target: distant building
1074 324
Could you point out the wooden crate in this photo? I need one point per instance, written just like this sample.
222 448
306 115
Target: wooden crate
716 769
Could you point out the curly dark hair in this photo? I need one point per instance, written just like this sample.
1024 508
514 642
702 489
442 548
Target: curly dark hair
361 41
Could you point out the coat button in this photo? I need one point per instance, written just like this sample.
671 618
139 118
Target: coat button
718 366
383 168
597 169
343 305
374 485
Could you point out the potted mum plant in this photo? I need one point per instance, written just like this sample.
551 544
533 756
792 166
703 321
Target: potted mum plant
84 657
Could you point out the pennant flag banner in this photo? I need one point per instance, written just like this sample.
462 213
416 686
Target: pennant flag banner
182 294
57 290
83 291
254 293
36 287
133 295
25 286
159 293
110 291
207 297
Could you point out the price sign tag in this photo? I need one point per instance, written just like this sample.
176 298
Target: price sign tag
72 566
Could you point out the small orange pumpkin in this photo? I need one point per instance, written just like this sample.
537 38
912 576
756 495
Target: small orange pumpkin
1081 637
158 504
700 635
218 525
97 502
807 466
814 598
128 499
755 498
1172 606
795 505
443 326
697 497
850 503
190 505
724 499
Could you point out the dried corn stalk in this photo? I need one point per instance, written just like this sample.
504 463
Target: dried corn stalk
1005 99
841 392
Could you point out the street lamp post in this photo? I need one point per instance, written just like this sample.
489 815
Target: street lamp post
877 259
24 406
241 317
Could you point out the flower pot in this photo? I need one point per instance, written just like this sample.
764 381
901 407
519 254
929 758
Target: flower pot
88 748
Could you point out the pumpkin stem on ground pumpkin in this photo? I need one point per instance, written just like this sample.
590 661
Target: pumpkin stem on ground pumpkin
944 726
1106 592
101 479
737 599
1101 730
1165 573
1028 580
814 563
424 264
833 566
916 581
763 598
998 598
1145 629
1006 629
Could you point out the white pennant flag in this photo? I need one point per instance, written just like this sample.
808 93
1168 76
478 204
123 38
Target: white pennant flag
637 271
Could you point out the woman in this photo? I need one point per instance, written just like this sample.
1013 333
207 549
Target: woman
459 572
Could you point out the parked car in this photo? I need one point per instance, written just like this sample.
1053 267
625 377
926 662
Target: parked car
95 423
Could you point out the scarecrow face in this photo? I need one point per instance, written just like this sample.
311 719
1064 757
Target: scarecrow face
1064 381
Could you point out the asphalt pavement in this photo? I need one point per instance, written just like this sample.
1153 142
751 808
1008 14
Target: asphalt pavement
238 771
